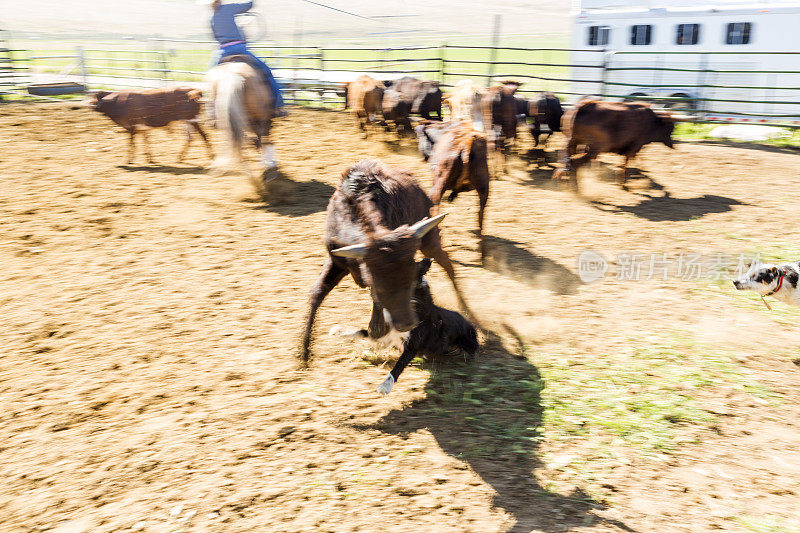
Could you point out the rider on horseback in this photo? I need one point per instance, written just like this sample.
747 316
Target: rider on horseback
232 42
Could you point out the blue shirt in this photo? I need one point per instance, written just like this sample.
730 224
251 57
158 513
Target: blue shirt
223 22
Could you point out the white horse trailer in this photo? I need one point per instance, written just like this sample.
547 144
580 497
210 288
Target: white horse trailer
732 62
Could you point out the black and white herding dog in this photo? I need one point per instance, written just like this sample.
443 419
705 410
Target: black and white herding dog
779 281
439 331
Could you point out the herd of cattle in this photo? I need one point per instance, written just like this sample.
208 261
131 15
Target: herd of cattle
379 217
484 121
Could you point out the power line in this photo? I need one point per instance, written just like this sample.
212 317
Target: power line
337 9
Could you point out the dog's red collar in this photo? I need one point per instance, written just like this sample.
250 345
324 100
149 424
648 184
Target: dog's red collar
780 283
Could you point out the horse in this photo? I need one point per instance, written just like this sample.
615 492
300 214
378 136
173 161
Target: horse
241 99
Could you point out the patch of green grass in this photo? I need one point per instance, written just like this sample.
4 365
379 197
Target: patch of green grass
487 409
696 132
644 397
767 524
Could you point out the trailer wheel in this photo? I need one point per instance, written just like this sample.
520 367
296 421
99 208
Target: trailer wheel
637 97
686 104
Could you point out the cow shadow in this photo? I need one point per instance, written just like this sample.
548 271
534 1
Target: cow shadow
285 196
508 258
164 169
534 168
488 414
666 208
637 179
539 155
401 144
746 145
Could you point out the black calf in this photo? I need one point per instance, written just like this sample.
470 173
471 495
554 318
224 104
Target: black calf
439 331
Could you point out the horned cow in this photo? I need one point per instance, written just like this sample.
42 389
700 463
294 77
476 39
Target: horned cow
377 219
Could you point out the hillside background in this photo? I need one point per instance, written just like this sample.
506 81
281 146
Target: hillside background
398 22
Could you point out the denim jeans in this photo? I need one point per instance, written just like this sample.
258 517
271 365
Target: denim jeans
241 49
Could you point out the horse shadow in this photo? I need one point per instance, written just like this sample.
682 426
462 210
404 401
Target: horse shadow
164 169
508 258
285 196
666 208
488 414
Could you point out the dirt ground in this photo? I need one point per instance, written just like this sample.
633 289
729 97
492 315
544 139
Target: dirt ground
151 315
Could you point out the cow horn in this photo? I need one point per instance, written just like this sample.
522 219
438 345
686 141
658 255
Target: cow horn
674 117
356 251
681 118
425 225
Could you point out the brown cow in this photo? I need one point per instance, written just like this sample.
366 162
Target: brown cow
407 96
464 102
492 110
397 110
155 108
425 96
500 106
364 97
611 127
546 110
377 220
458 156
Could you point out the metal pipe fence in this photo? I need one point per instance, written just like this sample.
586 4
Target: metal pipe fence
711 86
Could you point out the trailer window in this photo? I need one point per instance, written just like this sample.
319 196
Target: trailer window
739 33
688 34
641 34
598 35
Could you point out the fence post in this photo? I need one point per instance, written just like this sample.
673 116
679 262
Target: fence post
604 74
155 45
772 83
384 58
658 74
442 62
298 38
546 58
493 52
165 71
82 65
321 57
702 78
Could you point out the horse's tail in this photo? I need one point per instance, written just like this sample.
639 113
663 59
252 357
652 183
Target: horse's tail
231 113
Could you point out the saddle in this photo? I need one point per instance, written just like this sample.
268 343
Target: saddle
240 59
249 61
